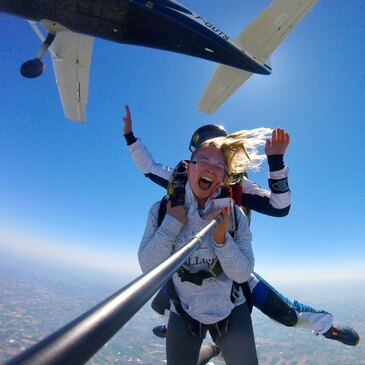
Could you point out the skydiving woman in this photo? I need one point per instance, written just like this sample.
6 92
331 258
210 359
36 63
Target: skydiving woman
215 305
274 202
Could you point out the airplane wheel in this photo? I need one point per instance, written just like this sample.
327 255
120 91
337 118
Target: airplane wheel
32 68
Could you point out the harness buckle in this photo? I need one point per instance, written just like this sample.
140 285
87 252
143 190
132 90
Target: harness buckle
215 268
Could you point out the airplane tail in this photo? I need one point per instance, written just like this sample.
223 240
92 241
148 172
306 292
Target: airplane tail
259 40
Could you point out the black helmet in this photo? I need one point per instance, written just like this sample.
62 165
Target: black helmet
204 133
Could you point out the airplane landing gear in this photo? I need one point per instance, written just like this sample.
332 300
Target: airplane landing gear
32 68
35 67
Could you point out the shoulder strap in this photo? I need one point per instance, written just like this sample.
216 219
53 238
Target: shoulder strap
237 191
176 186
175 190
233 233
162 210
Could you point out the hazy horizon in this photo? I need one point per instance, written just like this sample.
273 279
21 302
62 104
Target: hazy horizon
43 298
124 261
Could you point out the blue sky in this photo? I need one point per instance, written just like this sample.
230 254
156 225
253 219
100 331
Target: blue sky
70 193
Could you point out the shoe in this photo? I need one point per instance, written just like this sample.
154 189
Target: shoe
160 331
346 335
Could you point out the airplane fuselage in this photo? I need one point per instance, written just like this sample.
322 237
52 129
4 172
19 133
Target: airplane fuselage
161 24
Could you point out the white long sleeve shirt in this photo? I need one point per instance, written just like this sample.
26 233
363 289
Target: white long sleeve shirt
210 302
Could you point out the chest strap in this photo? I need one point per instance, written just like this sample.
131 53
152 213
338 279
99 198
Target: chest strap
215 269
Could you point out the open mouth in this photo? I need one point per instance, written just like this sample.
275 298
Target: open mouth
205 183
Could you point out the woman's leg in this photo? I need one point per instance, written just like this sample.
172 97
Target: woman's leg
182 348
238 344
279 308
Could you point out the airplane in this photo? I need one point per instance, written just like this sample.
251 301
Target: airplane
72 25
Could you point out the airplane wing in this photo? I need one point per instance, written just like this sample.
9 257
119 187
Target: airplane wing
260 39
71 59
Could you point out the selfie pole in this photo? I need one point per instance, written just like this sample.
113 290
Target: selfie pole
79 340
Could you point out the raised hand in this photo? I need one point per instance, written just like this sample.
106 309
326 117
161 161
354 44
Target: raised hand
127 120
278 143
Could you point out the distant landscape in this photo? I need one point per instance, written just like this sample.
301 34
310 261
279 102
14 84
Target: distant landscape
36 300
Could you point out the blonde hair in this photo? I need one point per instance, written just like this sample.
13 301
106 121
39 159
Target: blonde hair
241 149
